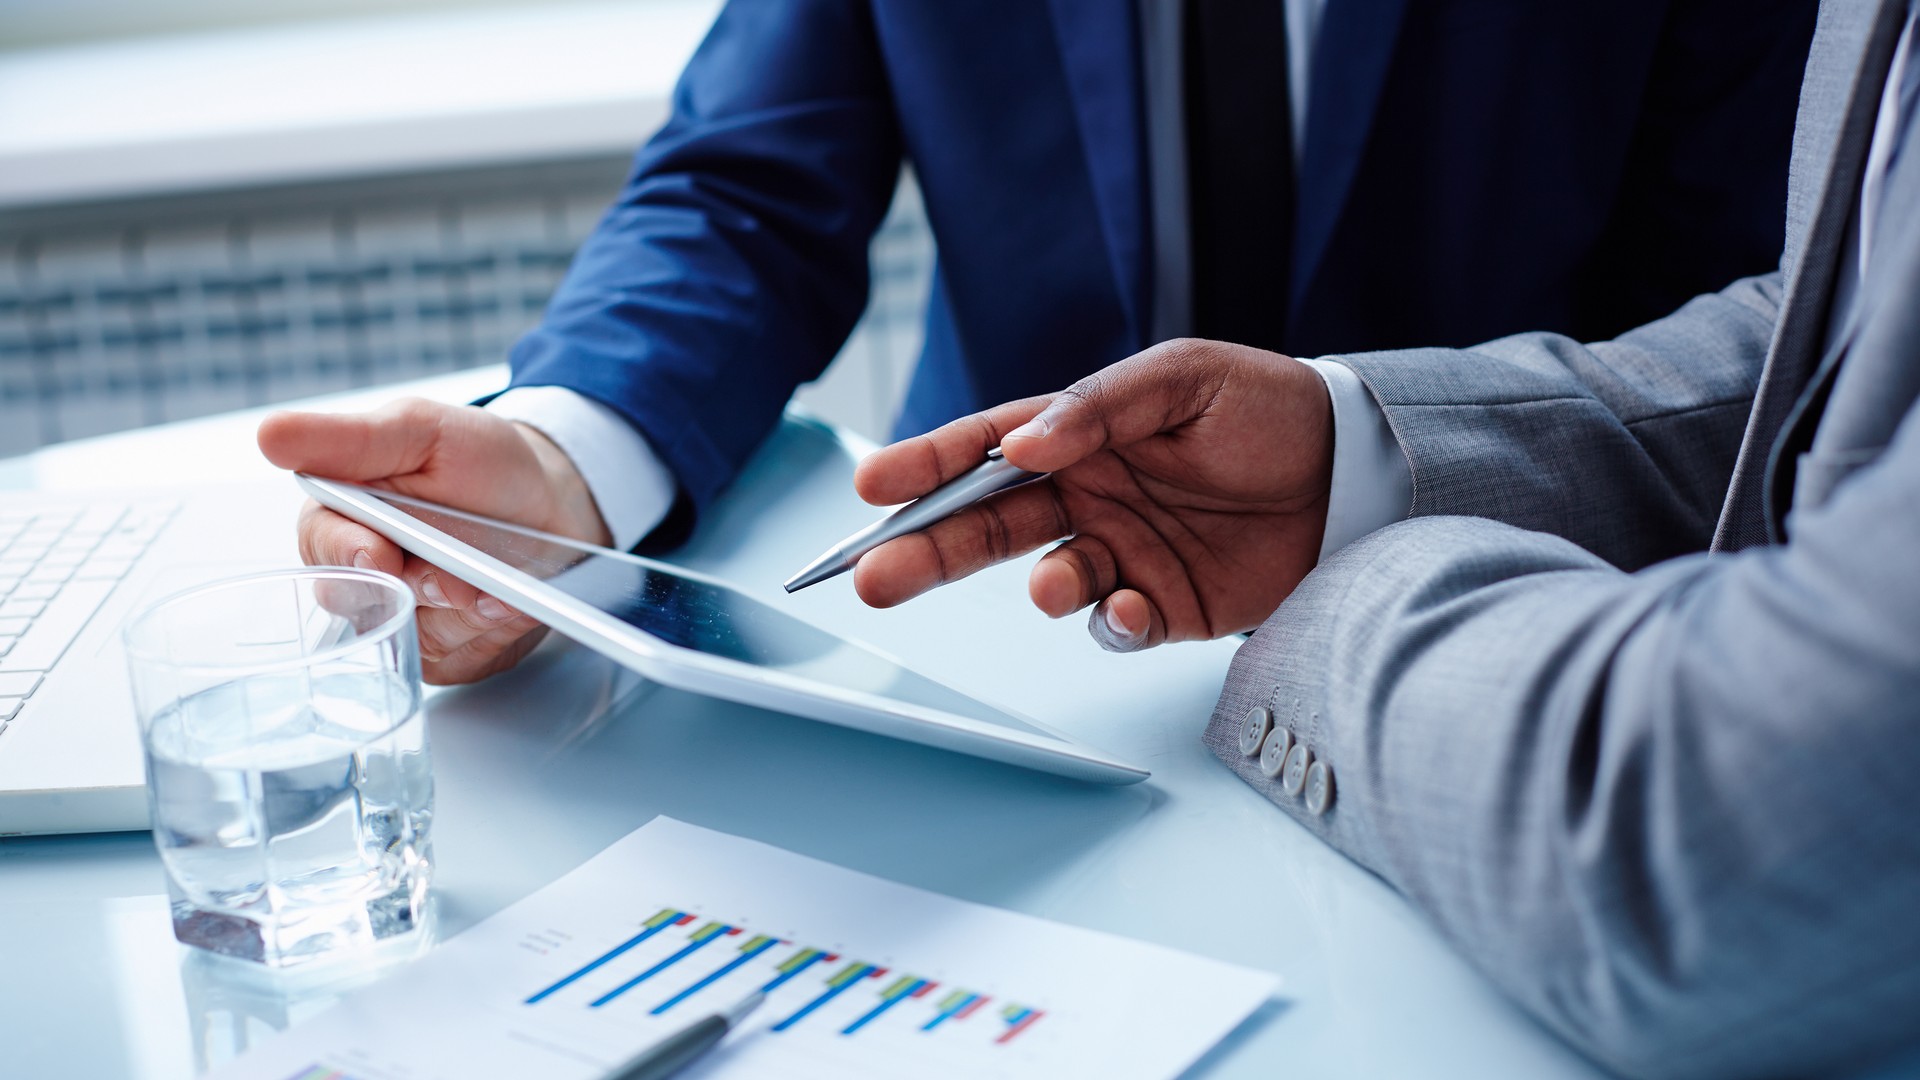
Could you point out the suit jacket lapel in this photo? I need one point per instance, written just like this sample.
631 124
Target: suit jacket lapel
1100 50
1829 151
1831 415
1344 96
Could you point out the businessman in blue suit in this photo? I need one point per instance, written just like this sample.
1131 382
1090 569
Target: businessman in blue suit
1303 176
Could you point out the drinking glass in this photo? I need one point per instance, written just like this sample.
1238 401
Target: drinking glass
287 767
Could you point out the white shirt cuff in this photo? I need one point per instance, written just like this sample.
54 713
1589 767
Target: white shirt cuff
1372 483
628 481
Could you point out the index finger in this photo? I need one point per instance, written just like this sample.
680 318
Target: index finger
912 467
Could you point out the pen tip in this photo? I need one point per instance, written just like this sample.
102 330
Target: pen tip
826 566
744 1006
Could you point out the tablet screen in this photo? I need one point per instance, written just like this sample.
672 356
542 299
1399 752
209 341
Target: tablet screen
699 615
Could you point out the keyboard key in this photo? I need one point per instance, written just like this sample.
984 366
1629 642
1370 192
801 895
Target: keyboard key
66 560
49 635
7 584
19 684
15 568
115 547
98 520
34 590
7 643
46 574
8 707
14 627
103 570
21 609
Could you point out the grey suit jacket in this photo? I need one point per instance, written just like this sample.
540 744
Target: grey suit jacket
1668 799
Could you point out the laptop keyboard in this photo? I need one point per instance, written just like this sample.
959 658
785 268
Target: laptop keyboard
58 564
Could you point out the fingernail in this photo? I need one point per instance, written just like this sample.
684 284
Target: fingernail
430 589
1110 632
1035 428
364 561
492 610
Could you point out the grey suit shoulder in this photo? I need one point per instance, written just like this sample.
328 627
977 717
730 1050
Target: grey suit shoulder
1664 797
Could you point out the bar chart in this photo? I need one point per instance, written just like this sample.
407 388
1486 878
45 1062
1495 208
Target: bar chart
676 959
852 977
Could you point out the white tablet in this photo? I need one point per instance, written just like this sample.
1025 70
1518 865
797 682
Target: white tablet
697 633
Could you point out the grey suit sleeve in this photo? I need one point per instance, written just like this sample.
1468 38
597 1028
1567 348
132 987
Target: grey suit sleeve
1675 813
1625 447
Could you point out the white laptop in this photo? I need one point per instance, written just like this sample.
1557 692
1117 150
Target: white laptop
71 569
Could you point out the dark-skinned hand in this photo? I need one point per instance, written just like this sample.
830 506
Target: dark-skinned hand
1189 481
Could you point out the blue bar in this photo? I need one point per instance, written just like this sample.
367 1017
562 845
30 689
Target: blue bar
785 975
884 1006
731 966
657 968
832 992
610 954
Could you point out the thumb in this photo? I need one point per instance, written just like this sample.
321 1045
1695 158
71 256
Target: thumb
394 440
1142 396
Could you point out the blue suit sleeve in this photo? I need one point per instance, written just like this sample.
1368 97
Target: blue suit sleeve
734 263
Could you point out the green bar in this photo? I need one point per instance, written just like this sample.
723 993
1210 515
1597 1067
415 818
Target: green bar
954 999
666 915
708 931
848 974
794 961
898 987
755 942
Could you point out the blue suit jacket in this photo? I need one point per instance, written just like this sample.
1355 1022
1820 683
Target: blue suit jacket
1471 168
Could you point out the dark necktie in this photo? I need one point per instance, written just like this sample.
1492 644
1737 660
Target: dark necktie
1239 168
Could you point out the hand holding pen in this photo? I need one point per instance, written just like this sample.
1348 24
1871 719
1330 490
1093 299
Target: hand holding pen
1190 483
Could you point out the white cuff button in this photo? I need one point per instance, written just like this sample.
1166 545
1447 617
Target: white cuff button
1273 755
1254 729
1295 777
1319 788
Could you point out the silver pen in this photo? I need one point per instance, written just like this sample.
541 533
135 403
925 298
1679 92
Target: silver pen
993 475
678 1050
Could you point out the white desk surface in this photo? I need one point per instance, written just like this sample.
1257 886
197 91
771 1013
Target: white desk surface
539 769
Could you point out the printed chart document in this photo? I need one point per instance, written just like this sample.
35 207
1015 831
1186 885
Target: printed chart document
864 977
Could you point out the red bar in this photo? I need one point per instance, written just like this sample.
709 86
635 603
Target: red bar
876 973
924 987
683 920
1025 1023
733 929
972 1007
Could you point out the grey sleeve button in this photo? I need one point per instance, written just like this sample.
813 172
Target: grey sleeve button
1295 777
1254 729
1273 755
1319 788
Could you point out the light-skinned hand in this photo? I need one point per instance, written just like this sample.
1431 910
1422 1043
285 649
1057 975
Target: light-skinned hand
1191 480
457 456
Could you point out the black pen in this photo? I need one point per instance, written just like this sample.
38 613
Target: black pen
678 1050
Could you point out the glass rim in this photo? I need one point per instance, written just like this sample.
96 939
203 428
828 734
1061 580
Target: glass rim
387 628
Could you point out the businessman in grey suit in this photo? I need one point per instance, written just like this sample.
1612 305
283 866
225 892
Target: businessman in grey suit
1627 695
